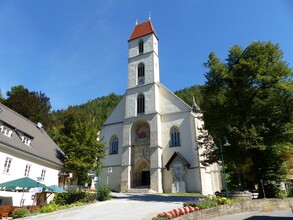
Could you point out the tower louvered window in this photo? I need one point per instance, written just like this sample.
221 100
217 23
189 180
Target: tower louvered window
140 104
140 74
140 47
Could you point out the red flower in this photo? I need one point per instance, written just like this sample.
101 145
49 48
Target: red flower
191 209
186 209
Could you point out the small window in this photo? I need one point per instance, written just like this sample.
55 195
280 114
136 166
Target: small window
114 145
140 104
26 140
140 47
6 131
43 174
7 165
175 137
140 74
27 170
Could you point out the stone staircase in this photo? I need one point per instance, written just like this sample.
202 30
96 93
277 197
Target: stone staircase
141 190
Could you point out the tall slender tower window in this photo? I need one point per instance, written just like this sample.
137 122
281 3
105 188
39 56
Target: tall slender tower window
140 47
114 145
140 104
174 137
140 74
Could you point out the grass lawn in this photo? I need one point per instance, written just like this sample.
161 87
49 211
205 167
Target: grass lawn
185 194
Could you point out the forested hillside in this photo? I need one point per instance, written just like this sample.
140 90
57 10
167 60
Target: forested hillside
98 109
187 94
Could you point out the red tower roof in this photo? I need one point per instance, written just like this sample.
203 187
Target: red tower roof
142 29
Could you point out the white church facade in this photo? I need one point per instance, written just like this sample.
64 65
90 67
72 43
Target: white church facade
152 135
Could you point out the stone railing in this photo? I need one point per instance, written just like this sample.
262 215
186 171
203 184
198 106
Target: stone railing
236 208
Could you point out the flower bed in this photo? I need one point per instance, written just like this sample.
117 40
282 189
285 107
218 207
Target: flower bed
176 212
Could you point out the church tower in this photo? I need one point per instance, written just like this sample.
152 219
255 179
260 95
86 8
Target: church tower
141 159
143 58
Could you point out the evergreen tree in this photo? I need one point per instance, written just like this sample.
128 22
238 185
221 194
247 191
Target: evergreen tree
35 106
1 97
188 94
249 100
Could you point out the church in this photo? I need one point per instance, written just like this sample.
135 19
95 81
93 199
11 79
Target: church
152 135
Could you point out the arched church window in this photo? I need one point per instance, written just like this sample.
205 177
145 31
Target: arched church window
140 47
140 104
113 145
140 74
175 137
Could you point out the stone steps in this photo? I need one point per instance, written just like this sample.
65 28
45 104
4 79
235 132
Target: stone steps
141 190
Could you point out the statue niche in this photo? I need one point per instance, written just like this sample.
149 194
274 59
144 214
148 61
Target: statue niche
178 172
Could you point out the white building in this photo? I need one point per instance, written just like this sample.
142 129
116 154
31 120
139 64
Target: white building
26 150
152 135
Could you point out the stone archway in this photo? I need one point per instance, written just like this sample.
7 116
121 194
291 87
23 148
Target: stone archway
141 174
140 154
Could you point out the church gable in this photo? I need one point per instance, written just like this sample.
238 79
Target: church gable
117 114
170 103
179 157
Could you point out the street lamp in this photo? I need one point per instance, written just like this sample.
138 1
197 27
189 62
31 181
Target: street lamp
108 172
226 144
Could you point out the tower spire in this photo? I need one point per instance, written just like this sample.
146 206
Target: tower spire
194 106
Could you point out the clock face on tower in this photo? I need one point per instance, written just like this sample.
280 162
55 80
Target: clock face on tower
140 80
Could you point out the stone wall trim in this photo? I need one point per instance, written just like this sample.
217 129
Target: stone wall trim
256 205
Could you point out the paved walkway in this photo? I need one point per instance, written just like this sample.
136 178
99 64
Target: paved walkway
129 206
123 207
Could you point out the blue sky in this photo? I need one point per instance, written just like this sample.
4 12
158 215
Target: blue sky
76 50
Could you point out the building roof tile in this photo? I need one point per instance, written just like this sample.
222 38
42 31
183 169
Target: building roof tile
142 29
42 146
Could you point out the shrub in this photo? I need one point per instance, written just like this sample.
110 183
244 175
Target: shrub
203 204
20 213
281 194
69 197
103 193
222 200
52 207
90 197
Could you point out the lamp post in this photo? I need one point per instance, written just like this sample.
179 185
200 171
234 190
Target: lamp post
108 172
226 144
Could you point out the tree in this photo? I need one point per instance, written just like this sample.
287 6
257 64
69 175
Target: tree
1 97
77 137
35 106
249 100
188 94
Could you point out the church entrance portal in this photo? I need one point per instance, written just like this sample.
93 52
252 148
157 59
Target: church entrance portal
145 178
141 174
140 155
